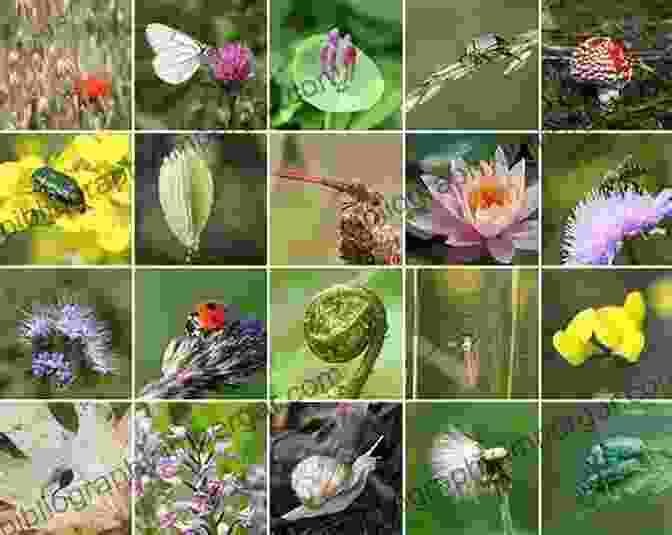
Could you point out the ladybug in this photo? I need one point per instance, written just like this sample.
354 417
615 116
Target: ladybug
210 317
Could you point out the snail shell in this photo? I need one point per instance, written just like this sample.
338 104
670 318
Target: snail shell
318 478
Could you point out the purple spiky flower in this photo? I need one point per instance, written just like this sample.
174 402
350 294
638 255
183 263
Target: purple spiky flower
338 58
53 366
599 225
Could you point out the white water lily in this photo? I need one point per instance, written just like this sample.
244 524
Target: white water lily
186 193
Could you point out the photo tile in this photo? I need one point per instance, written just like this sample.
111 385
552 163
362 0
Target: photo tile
65 467
337 467
472 199
65 65
604 462
200 466
606 199
350 210
338 68
67 334
336 334
472 468
489 346
201 65
66 199
605 70
205 338
606 337
201 199
483 74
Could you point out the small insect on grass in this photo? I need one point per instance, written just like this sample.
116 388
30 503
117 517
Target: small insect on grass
484 47
59 188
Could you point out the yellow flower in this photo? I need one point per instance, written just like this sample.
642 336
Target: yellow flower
660 295
13 179
619 329
102 148
635 307
54 247
572 348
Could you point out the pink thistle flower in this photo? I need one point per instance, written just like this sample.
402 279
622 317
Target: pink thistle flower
231 64
199 503
167 520
485 209
137 487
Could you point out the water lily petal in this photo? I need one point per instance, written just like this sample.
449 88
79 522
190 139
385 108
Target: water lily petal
457 231
631 346
571 348
501 163
501 248
458 169
531 201
446 193
635 308
525 235
518 169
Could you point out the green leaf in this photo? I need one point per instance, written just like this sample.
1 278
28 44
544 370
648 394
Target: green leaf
389 104
362 93
378 9
199 423
66 415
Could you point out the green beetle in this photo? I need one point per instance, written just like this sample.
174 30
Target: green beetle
59 187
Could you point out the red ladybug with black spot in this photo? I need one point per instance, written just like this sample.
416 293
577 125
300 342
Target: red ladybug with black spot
210 317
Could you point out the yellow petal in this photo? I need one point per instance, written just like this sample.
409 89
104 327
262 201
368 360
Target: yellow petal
13 179
632 345
572 349
583 325
115 240
610 324
635 308
116 146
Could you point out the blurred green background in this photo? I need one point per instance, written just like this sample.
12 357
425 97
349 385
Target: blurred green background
164 299
236 229
374 159
563 464
437 34
471 147
195 104
568 292
109 292
34 247
375 26
292 363
575 164
99 29
458 302
494 425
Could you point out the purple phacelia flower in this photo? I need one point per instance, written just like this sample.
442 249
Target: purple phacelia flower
77 321
38 323
595 232
231 64
338 58
54 366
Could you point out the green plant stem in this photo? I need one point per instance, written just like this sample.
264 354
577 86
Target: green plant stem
629 252
233 123
505 511
515 301
327 120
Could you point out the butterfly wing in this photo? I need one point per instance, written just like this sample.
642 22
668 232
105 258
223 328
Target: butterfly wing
454 459
178 56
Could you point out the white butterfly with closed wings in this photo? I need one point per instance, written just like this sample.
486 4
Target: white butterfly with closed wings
58 460
178 56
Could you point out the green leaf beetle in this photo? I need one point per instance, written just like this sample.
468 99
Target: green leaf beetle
59 187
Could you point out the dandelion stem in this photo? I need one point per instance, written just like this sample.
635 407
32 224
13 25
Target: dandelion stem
327 120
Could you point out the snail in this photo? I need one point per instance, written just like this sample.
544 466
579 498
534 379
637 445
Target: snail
341 323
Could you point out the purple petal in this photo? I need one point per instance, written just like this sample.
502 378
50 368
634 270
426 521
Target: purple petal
501 249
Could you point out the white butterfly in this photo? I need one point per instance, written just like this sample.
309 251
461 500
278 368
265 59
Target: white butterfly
56 456
178 55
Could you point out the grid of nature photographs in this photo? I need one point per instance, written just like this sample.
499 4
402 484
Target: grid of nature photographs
228 307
